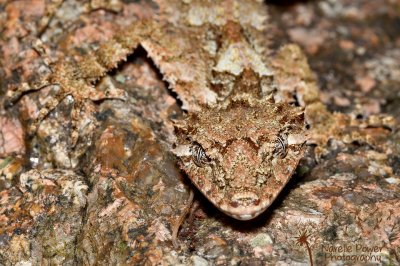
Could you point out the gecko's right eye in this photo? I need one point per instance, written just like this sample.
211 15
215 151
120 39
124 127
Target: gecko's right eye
199 156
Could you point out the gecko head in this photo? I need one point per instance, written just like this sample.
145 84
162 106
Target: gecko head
240 156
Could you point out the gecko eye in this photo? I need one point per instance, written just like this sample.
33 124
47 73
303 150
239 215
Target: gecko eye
280 150
199 156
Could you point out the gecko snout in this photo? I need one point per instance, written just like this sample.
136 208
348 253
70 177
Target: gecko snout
244 199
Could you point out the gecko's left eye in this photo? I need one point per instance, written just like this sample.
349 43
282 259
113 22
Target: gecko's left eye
280 150
199 156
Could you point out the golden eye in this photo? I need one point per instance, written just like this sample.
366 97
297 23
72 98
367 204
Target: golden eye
199 156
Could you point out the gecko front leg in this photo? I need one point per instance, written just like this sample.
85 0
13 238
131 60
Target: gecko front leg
77 80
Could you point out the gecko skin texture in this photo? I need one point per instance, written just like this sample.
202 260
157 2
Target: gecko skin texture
248 153
241 140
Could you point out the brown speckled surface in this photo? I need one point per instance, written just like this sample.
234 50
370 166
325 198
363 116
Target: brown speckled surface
120 200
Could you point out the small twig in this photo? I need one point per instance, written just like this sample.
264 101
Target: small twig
181 219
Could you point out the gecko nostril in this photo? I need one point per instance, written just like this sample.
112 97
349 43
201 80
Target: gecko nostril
234 204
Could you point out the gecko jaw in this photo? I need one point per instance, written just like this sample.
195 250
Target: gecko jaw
244 213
